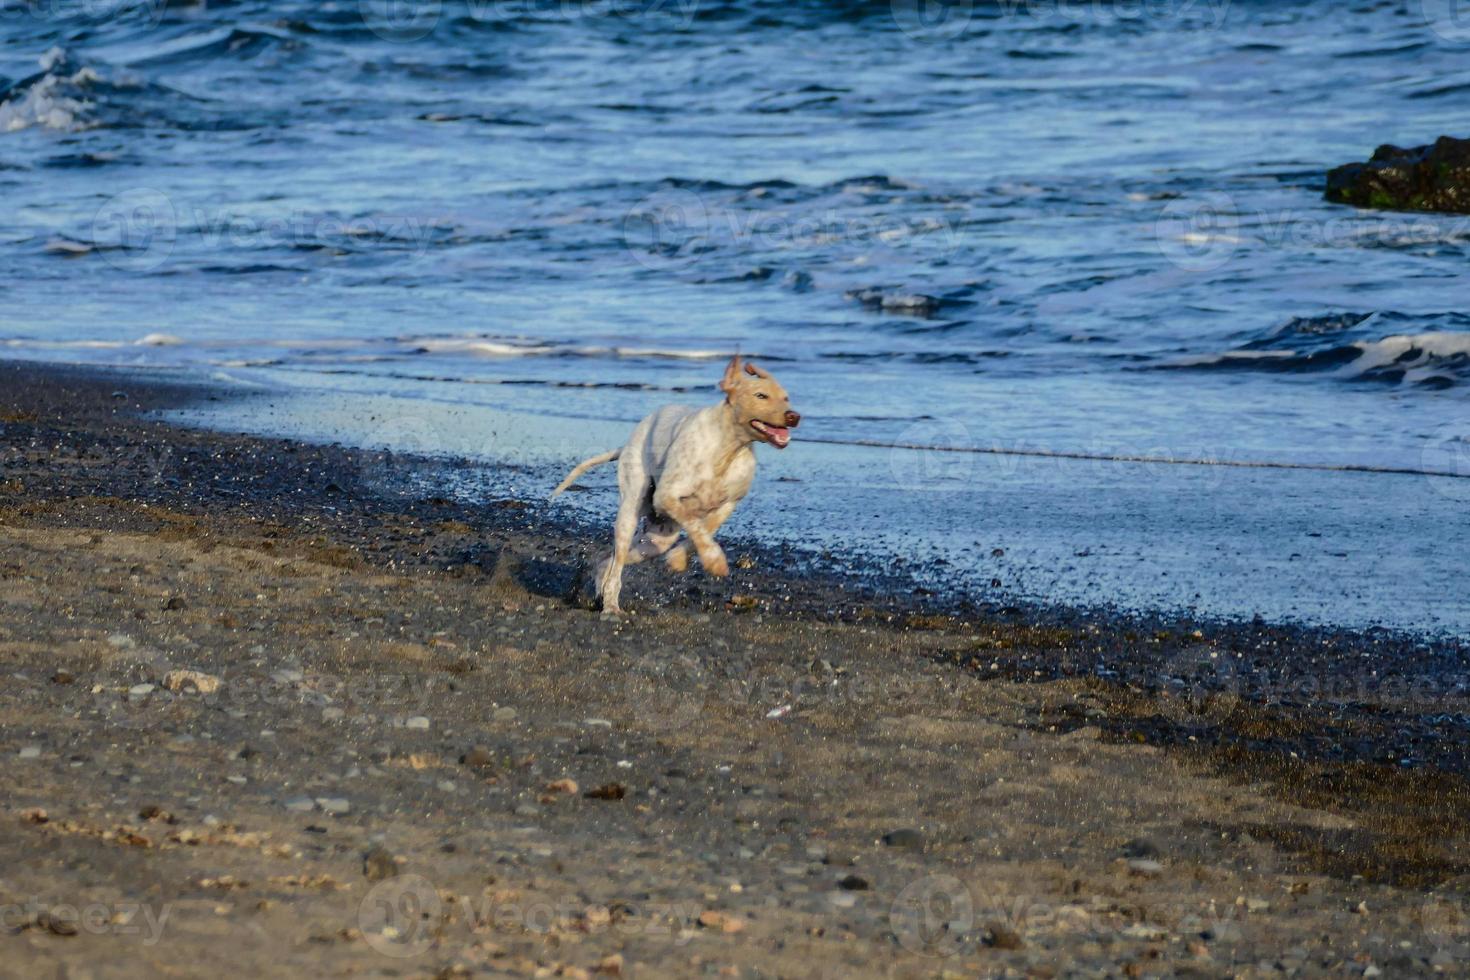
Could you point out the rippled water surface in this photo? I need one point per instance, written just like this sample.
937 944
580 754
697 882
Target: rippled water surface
1087 228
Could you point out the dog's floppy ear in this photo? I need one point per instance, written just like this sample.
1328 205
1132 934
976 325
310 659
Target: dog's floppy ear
732 375
758 372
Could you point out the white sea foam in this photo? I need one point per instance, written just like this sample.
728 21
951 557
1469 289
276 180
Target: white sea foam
1416 354
1419 356
478 346
54 101
159 340
62 344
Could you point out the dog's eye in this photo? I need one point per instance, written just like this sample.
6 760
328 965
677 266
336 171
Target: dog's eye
762 395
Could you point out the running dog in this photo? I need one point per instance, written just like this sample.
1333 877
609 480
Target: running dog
683 471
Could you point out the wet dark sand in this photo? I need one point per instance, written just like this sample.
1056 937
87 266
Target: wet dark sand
1287 797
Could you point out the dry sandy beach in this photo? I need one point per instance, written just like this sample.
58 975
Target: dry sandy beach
260 720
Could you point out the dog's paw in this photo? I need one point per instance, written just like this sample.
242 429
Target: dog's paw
677 559
715 564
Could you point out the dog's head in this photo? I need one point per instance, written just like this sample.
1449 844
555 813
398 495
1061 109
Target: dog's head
761 404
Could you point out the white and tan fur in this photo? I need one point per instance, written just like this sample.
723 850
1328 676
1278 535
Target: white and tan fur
683 471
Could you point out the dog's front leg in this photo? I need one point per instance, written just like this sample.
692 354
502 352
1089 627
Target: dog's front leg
690 514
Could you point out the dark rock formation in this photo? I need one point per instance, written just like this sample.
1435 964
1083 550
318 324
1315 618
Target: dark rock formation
1423 178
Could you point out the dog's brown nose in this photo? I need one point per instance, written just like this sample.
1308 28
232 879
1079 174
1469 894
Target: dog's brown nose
792 420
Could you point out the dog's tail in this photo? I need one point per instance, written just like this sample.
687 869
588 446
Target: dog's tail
583 467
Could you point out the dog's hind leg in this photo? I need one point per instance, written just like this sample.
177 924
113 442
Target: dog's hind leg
610 586
633 487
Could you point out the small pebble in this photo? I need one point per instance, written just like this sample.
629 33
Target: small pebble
183 680
140 690
333 804
379 863
504 714
478 757
1000 936
300 804
904 837
30 752
1147 867
417 723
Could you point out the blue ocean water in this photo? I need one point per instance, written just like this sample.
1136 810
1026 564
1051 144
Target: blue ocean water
1047 227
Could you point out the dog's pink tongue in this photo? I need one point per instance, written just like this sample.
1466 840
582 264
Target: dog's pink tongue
779 436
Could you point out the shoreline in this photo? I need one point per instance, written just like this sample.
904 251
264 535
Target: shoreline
275 566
